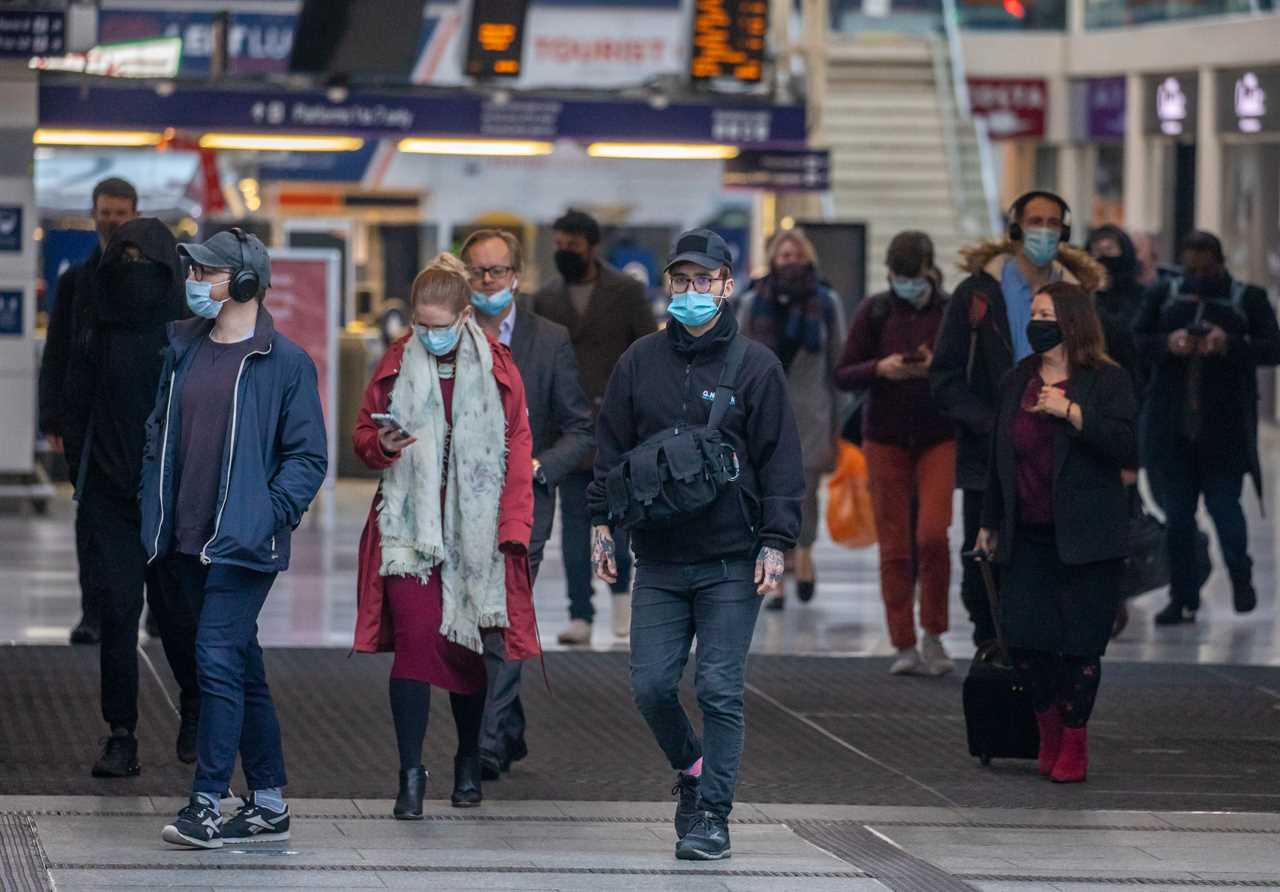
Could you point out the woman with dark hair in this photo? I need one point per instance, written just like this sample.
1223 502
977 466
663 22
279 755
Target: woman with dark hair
1056 516
792 312
444 555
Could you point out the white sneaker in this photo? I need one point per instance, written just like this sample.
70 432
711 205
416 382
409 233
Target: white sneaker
622 616
577 633
935 656
908 663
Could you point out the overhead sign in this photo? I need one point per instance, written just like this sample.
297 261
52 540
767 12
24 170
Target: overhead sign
10 228
1249 100
1174 101
779 170
728 39
25 33
496 44
1105 100
160 57
257 43
394 115
1012 108
11 313
569 46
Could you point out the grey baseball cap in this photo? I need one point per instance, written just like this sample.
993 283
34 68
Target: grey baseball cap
704 247
226 251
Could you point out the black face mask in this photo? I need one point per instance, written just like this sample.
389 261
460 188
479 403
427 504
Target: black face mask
796 280
1044 335
1118 268
572 265
137 293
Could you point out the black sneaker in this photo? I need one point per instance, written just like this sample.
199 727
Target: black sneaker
119 757
1243 594
1174 615
256 823
517 752
707 839
687 808
86 632
196 827
186 745
806 590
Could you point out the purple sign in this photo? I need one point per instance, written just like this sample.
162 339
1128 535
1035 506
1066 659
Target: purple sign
1105 107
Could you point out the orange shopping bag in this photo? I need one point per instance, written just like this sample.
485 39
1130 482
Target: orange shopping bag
849 515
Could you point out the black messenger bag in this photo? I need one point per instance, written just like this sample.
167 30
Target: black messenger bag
677 474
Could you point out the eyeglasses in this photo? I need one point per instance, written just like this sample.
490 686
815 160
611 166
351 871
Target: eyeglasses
702 284
436 329
199 273
477 273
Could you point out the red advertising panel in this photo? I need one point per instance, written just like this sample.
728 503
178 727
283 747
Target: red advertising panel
1013 108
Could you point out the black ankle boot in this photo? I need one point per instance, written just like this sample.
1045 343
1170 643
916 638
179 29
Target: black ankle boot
466 781
413 787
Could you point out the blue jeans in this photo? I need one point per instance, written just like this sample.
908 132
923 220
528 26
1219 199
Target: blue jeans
575 542
1184 482
716 602
236 712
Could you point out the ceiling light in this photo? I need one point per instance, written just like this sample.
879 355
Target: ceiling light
261 142
663 151
499 147
106 138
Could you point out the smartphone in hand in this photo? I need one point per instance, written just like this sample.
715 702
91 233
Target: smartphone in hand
389 422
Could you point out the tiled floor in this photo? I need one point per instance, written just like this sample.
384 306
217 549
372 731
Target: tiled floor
314 603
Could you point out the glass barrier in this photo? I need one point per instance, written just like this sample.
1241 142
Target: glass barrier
1122 13
999 15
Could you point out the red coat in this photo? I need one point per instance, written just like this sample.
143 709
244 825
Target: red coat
515 520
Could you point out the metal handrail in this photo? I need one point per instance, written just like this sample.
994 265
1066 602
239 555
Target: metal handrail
960 83
949 136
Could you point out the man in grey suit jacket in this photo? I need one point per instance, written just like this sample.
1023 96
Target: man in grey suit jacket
560 419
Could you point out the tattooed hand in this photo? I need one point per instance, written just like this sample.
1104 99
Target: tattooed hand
769 569
603 554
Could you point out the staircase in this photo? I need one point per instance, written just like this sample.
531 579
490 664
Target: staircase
903 157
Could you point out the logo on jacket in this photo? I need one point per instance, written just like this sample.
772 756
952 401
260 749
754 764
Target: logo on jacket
710 396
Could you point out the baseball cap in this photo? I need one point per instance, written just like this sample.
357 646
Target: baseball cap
701 246
226 251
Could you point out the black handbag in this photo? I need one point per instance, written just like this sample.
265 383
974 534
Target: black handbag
677 474
1147 566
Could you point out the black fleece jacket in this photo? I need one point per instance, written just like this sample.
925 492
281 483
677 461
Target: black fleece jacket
669 378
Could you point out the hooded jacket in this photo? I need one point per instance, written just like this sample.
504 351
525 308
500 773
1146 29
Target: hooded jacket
975 350
135 300
66 371
669 378
1121 302
273 462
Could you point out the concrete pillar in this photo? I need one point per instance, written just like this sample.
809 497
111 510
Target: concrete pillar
1137 184
1209 172
18 118
1075 184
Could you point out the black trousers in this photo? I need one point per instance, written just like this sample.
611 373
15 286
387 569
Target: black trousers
973 591
92 583
115 531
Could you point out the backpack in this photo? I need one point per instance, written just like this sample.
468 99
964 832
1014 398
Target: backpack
679 473
1238 289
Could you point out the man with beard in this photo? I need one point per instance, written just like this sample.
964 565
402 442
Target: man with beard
139 291
66 376
605 311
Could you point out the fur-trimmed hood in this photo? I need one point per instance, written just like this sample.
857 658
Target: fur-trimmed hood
1076 265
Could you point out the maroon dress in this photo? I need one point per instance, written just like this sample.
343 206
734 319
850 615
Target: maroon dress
422 653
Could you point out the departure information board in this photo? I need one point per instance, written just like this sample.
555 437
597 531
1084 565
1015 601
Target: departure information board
497 38
728 39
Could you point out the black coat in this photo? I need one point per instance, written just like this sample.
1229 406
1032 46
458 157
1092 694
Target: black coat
1090 502
1228 441
668 379
559 415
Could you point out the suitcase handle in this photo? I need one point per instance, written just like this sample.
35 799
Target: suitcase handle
983 560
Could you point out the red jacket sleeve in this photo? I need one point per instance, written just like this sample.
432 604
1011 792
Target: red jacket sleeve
857 368
515 517
377 396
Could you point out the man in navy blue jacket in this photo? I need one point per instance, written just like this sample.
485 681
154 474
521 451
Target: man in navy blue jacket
236 451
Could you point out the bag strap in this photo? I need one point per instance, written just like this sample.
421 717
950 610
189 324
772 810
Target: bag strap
728 376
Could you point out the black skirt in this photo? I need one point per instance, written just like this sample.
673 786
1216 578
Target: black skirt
1050 606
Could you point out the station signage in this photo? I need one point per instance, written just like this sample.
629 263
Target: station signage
10 229
1173 105
1014 108
729 39
1105 104
1249 100
496 43
25 33
257 43
779 170
11 313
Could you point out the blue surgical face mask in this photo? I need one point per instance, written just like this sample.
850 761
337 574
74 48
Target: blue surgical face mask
914 291
491 304
440 342
200 302
1041 245
692 309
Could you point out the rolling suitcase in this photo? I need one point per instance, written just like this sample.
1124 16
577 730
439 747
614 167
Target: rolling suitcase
997 709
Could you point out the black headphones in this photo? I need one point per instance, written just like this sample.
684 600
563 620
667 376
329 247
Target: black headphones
244 284
1015 213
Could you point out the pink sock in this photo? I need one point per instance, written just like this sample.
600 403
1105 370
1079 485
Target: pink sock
695 770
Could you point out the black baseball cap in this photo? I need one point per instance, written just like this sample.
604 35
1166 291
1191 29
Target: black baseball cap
226 251
701 246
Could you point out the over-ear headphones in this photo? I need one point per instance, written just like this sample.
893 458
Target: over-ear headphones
244 284
1015 213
